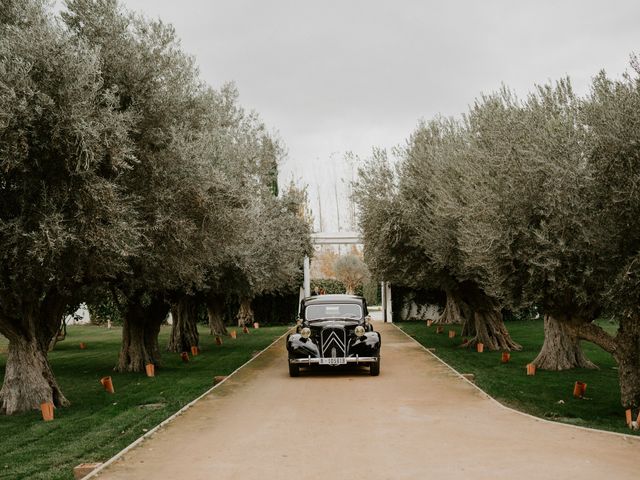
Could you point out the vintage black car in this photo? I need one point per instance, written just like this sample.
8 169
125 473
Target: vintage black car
334 330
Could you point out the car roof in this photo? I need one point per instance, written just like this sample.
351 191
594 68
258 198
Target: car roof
333 299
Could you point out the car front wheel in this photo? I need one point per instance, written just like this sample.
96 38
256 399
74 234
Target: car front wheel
374 368
294 370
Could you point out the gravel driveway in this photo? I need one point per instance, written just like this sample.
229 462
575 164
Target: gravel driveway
417 420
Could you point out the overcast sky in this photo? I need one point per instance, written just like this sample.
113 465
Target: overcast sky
338 76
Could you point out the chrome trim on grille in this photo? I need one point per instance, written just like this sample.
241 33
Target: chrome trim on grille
333 340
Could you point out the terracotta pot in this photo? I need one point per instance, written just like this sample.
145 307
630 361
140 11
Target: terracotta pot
578 389
47 411
506 356
452 333
150 368
439 329
256 325
83 346
629 416
531 369
480 347
429 323
184 356
218 340
194 350
107 383
233 334
245 329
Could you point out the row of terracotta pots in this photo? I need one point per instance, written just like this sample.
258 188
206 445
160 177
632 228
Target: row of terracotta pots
47 408
579 387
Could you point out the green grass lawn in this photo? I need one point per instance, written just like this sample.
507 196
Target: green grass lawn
97 424
547 394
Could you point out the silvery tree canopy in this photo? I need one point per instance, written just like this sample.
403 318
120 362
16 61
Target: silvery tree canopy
525 203
428 202
66 219
123 174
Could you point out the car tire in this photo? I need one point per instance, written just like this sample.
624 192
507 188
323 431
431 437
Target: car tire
294 370
374 368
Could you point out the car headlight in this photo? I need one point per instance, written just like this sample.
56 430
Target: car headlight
305 332
359 331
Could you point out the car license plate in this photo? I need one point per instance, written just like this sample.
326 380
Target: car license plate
333 361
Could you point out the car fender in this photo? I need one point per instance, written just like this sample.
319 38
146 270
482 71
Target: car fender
301 347
367 345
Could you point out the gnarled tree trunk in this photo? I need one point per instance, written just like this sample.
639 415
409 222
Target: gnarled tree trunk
140 335
245 312
29 379
455 310
487 321
625 348
627 354
469 327
133 351
491 331
215 310
561 350
61 334
184 333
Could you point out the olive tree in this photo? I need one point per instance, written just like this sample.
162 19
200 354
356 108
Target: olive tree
612 118
558 224
250 156
351 271
526 213
389 249
239 146
183 201
65 220
271 257
391 242
431 189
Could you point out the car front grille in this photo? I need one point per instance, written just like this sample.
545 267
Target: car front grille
334 342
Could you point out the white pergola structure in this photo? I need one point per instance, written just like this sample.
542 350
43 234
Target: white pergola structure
344 238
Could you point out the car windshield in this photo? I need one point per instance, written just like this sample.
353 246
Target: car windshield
333 310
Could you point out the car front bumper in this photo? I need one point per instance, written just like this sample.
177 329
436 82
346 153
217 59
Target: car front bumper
325 361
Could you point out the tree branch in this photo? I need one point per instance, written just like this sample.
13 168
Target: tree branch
116 300
593 333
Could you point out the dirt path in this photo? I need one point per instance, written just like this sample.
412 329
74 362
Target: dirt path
417 420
